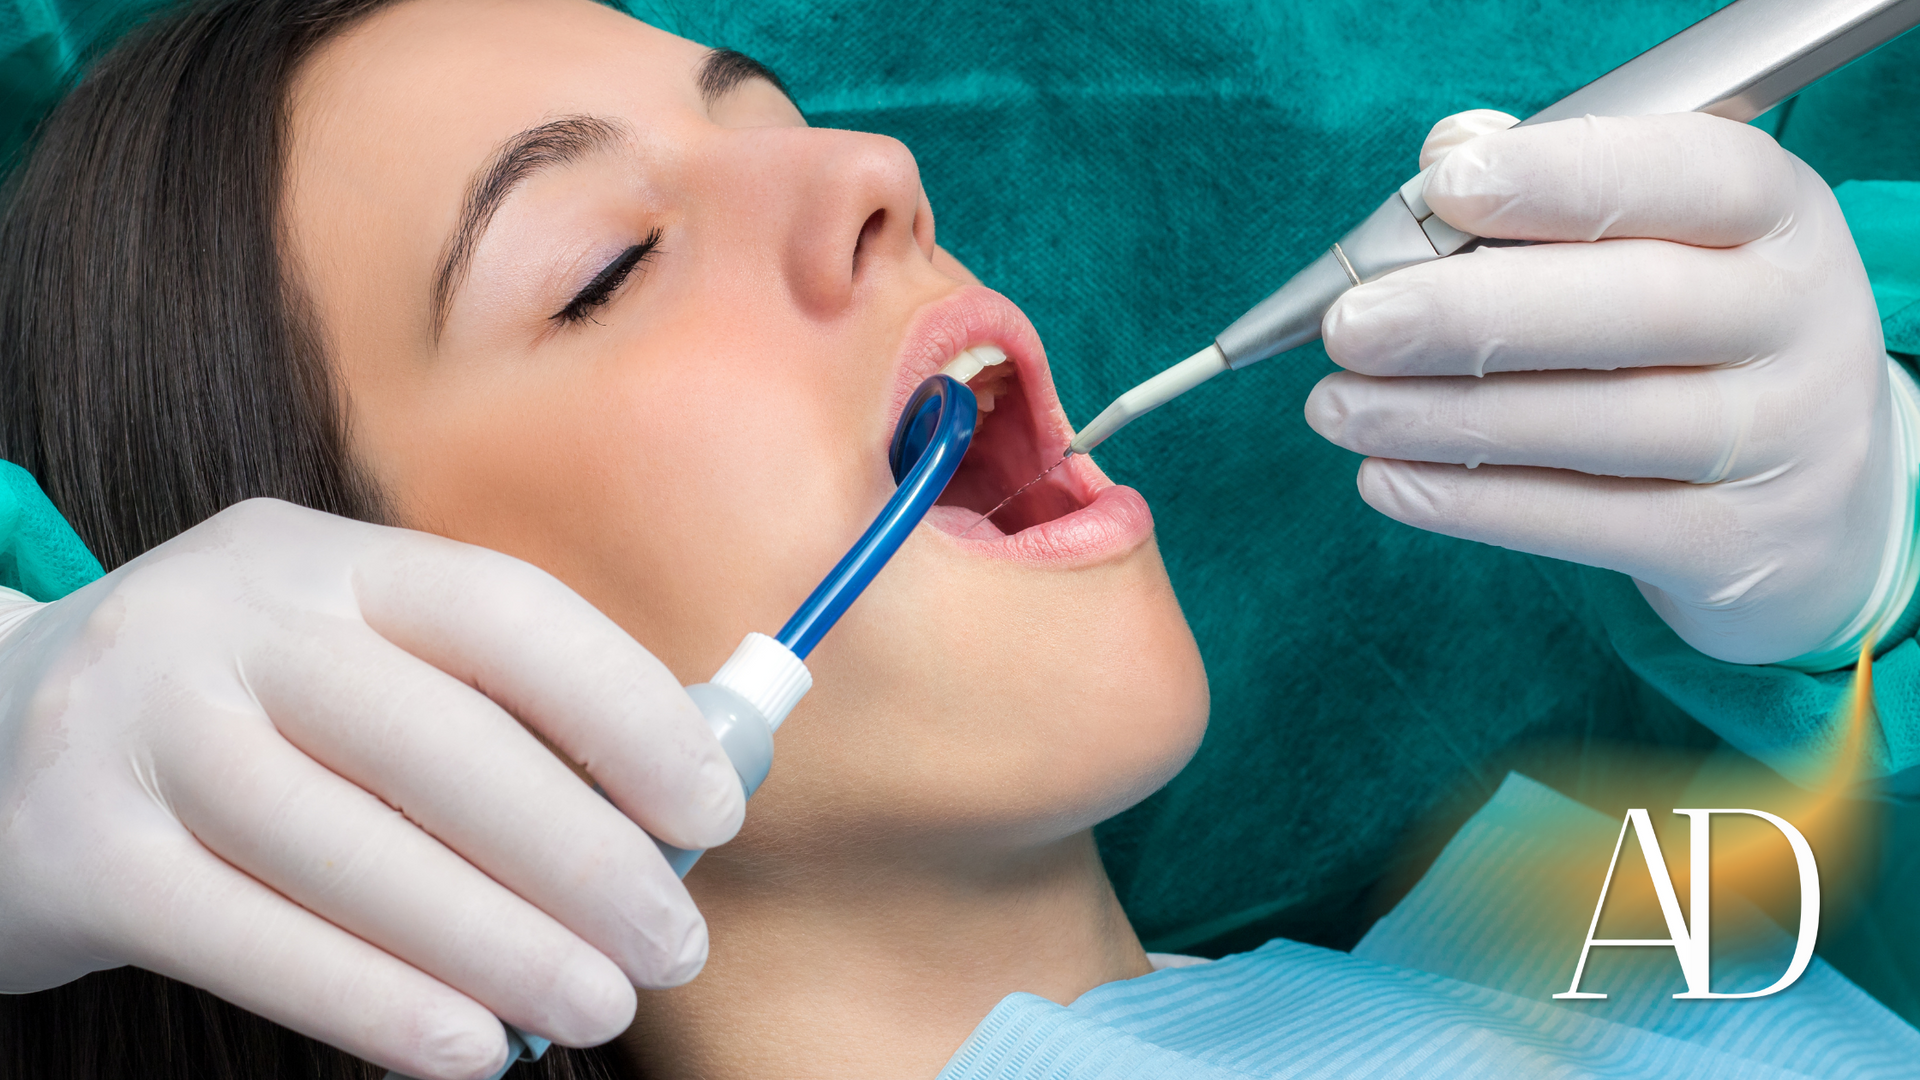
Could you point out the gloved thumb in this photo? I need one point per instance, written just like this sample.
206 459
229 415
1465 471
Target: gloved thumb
1453 130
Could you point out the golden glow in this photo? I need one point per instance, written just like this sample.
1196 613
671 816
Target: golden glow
1752 865
1751 858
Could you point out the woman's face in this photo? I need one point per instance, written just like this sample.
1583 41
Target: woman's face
602 302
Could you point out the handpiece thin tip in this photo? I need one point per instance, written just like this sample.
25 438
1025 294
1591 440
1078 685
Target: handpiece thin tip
1001 505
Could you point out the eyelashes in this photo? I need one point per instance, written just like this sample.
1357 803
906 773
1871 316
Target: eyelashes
600 290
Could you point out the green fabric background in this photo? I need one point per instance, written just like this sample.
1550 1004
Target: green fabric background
1134 175
1885 215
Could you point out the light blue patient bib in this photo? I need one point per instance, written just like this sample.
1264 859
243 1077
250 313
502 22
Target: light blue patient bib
1456 981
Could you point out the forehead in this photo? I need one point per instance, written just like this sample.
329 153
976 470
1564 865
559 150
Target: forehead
491 53
390 120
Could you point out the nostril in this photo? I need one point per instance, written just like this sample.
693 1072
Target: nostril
869 231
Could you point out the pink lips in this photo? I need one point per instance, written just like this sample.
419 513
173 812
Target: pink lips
1110 520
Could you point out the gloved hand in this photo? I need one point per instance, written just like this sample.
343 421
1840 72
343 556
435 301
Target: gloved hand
1691 388
281 757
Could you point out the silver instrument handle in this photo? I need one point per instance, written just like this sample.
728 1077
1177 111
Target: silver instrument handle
1736 63
1740 61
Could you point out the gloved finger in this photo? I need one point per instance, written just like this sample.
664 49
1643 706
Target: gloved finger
1675 424
469 774
1454 130
1687 177
1637 303
188 915
1641 527
343 855
566 670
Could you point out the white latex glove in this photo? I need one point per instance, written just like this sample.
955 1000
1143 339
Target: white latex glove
281 757
1693 390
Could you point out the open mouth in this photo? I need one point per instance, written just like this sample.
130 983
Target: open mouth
1010 449
1073 514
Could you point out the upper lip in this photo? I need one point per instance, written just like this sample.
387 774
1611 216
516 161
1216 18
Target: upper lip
976 315
1076 517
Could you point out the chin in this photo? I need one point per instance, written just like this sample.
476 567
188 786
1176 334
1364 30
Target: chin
1005 681
986 704
1134 710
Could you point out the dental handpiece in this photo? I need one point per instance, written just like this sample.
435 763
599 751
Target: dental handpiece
1736 63
750 696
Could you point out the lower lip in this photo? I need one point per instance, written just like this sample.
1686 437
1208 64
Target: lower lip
1114 522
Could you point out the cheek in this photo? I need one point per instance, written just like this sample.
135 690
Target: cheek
662 484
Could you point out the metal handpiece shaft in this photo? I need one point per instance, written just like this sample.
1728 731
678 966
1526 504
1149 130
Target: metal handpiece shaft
1737 63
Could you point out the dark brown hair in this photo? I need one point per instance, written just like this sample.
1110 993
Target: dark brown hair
159 366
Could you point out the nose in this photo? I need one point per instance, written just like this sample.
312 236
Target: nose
855 214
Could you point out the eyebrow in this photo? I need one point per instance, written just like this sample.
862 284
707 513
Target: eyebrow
723 70
551 145
554 144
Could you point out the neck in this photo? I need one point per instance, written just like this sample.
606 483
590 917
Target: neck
883 971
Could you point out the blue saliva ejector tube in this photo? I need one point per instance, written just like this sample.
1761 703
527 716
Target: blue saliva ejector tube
928 443
763 680
752 693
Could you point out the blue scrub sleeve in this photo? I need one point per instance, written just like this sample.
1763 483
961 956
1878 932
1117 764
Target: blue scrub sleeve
40 554
1777 715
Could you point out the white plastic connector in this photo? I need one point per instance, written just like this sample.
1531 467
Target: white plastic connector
973 361
767 675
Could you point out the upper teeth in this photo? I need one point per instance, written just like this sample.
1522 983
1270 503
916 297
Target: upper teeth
973 361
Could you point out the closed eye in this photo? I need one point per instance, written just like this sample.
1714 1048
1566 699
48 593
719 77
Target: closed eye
608 281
